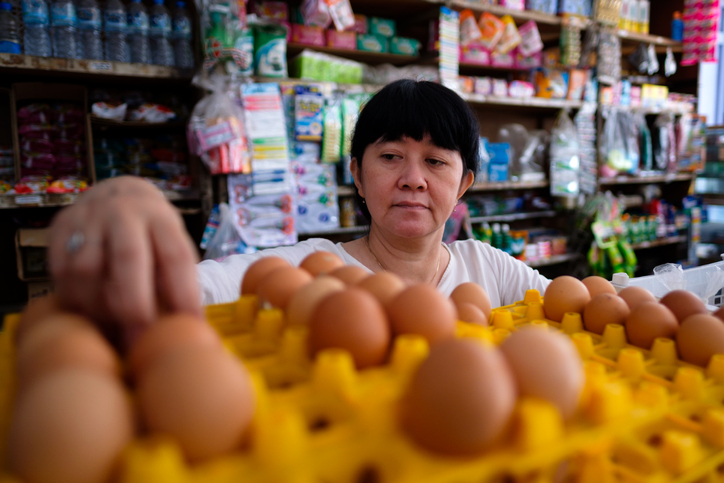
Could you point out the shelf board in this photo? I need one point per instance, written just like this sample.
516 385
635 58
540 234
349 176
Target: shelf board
98 121
659 243
520 15
509 185
336 231
553 260
513 217
45 200
74 67
466 66
531 102
372 58
657 40
668 178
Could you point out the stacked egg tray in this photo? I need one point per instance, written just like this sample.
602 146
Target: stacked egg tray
644 416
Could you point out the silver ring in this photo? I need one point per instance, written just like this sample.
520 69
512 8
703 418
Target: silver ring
75 243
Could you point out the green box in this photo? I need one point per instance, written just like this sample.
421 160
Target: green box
404 46
382 26
372 43
320 67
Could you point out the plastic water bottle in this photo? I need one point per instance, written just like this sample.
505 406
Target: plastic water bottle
138 33
62 21
114 19
90 44
37 35
160 31
9 34
182 38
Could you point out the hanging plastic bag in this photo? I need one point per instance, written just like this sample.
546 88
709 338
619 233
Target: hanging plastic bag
565 157
670 66
216 129
664 142
613 146
226 240
653 66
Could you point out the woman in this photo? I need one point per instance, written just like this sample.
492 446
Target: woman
121 253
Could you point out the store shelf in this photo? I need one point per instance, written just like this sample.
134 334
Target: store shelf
513 217
657 40
372 58
509 185
466 67
336 231
659 243
520 15
84 68
554 260
531 102
97 121
45 200
667 178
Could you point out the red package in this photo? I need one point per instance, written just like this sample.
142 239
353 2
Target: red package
37 146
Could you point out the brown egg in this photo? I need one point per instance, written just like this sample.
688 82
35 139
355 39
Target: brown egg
170 333
604 309
597 285
353 320
278 286
305 300
72 425
351 275
683 304
35 312
636 295
202 397
319 263
422 310
472 293
546 365
719 313
460 399
699 337
43 333
472 314
258 270
565 294
648 321
384 286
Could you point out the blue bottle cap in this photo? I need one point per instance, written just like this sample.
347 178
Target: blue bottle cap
158 2
5 6
180 4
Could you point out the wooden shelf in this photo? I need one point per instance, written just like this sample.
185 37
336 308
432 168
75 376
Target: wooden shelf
509 185
668 178
554 260
46 200
466 66
659 243
519 15
657 40
97 121
513 217
372 58
531 102
83 68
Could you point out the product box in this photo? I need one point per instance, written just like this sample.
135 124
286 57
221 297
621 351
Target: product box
474 53
653 96
372 43
360 24
499 162
499 59
500 88
467 84
575 7
404 46
382 26
513 4
308 35
484 86
576 84
31 252
39 290
532 61
546 6
341 40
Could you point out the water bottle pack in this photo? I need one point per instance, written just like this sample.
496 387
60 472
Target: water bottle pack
63 20
138 33
181 35
114 19
160 31
90 44
37 35
9 33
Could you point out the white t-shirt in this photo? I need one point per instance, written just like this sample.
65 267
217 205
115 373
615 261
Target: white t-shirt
502 276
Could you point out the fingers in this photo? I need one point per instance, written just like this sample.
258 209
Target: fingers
129 291
176 266
60 232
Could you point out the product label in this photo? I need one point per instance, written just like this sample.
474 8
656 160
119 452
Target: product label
9 47
62 15
35 12
138 22
89 18
181 28
160 25
115 21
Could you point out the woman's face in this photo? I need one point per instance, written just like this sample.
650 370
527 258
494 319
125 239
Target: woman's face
410 187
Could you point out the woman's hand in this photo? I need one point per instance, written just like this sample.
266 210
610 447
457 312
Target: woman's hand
121 255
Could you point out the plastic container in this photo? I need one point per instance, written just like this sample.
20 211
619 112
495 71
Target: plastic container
9 31
36 40
114 23
90 43
677 27
62 21
138 33
160 31
181 35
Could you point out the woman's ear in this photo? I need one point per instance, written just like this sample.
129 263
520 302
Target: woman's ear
356 175
466 183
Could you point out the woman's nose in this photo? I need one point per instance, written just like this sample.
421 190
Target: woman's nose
412 175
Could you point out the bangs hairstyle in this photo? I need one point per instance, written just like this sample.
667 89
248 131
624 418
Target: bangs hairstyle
413 109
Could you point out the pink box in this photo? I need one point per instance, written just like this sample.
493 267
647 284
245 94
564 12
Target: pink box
342 40
513 4
499 59
528 62
360 24
308 35
475 53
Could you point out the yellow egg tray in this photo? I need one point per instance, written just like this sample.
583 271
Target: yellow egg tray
644 416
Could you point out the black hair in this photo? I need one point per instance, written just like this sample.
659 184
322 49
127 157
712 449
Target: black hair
414 109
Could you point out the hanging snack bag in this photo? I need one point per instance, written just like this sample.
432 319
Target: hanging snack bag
332 140
511 37
316 13
270 50
491 29
469 29
342 15
531 42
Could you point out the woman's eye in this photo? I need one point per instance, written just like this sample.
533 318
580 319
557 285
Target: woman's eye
388 157
435 162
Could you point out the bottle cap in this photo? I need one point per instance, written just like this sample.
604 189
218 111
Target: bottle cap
677 15
180 4
158 2
5 6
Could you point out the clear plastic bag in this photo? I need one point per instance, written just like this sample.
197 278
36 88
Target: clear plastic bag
226 240
565 157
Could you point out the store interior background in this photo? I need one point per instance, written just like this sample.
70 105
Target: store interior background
553 229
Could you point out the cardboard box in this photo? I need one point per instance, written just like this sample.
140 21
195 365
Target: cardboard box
38 290
31 250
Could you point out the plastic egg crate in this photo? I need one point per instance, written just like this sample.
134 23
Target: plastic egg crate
643 416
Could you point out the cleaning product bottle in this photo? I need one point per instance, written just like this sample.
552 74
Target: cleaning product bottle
507 240
496 239
644 16
677 27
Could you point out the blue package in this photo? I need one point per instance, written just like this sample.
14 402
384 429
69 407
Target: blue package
575 7
625 100
308 113
499 162
545 6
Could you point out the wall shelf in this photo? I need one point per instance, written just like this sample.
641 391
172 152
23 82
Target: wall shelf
373 58
513 217
530 102
666 178
659 243
554 260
